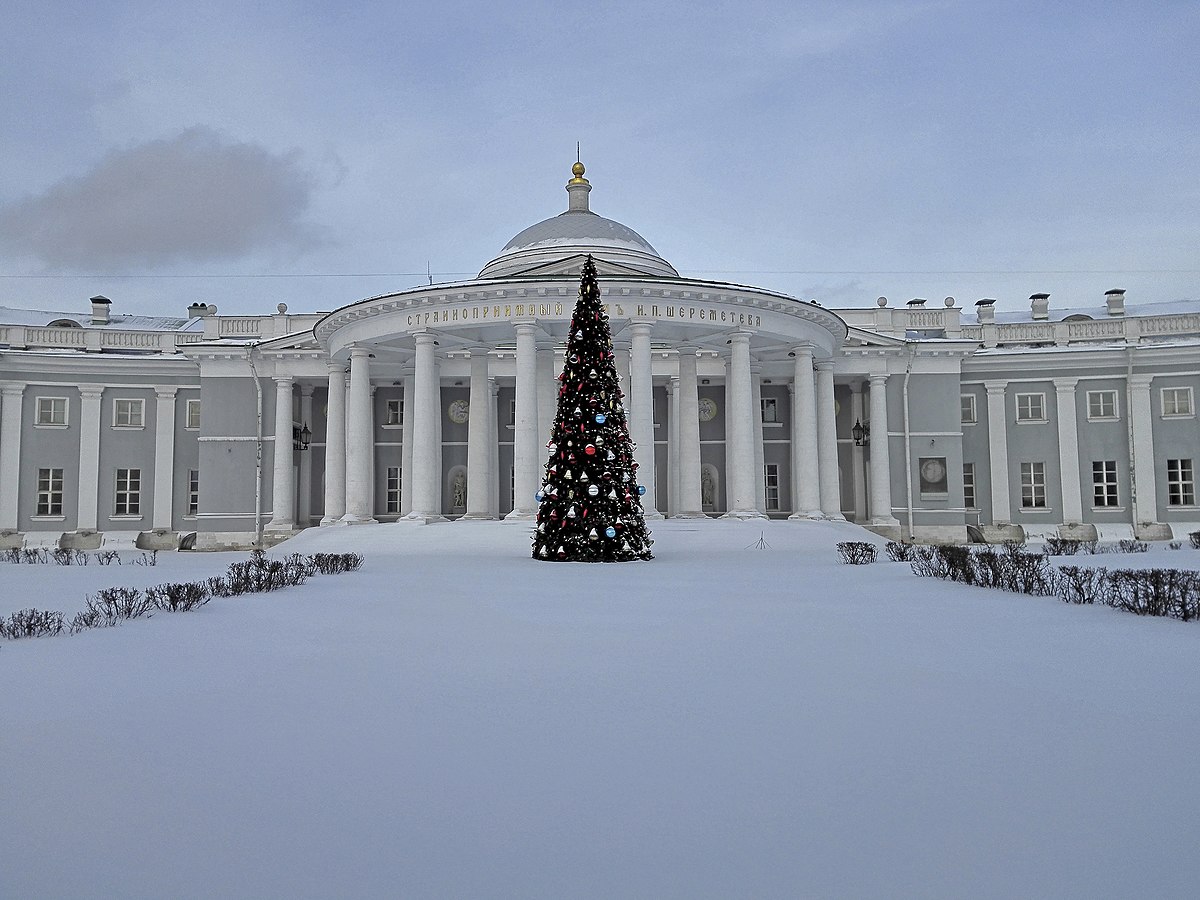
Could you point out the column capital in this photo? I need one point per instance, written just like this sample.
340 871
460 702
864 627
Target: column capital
12 389
525 326
823 365
995 387
164 392
360 352
90 392
687 350
1141 382
306 390
1065 385
639 327
877 378
802 350
283 380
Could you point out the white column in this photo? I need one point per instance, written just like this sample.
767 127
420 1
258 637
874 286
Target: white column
806 473
360 440
335 446
1068 451
439 416
164 458
89 457
11 400
494 441
640 404
479 440
1141 420
407 441
526 447
283 487
547 394
425 473
760 469
827 448
689 504
858 458
739 433
673 447
304 501
998 452
881 468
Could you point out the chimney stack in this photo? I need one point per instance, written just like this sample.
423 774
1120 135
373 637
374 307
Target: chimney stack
985 311
1040 306
198 310
100 307
1115 301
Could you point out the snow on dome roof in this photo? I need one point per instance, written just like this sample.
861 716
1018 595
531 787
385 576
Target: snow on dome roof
576 231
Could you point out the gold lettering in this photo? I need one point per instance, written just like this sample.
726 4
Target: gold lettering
654 310
670 312
507 311
558 309
641 310
495 312
520 309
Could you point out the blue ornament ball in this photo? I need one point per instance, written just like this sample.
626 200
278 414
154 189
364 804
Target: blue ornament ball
600 418
641 489
610 531
539 496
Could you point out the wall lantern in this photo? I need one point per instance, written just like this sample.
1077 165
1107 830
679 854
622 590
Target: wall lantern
861 433
301 437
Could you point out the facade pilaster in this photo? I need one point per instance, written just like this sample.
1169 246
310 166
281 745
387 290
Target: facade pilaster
89 457
479 440
673 447
304 500
827 448
998 452
881 464
494 443
11 403
426 458
690 503
283 487
335 446
806 472
407 441
360 440
164 458
526 446
739 432
547 393
1143 489
1068 451
760 468
640 403
858 457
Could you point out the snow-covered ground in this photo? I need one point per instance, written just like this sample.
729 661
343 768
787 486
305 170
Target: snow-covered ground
458 720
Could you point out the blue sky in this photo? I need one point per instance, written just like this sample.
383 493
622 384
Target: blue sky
836 151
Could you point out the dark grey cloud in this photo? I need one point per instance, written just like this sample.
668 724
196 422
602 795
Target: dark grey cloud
195 197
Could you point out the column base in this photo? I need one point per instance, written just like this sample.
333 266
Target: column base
834 517
1078 532
652 514
744 514
287 527
330 520
999 533
890 530
521 515
415 518
477 517
1152 531
810 515
351 519
84 539
11 540
690 515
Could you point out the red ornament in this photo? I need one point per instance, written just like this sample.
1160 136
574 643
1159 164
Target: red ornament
589 450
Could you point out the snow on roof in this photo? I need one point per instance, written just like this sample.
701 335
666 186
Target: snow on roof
1164 308
37 317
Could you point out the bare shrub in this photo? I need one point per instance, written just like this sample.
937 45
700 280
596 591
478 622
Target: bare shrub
27 623
12 555
34 556
180 597
108 557
337 563
1080 584
121 603
1062 546
856 553
1176 545
898 552
1128 546
1194 539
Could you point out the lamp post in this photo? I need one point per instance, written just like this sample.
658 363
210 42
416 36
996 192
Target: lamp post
861 433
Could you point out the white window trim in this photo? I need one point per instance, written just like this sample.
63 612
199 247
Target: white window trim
1031 421
386 410
1116 405
139 404
1191 482
187 415
117 490
1191 404
37 413
188 494
974 420
388 490
974 504
1033 487
1115 483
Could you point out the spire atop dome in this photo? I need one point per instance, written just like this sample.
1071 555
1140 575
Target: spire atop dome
578 188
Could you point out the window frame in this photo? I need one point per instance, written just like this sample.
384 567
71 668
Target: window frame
1101 416
1176 392
391 497
1105 484
47 403
193 493
1030 419
127 500
771 403
962 409
49 498
771 487
970 499
1033 485
1181 482
393 405
137 404
192 403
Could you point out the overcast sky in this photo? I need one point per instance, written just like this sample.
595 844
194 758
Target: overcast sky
160 153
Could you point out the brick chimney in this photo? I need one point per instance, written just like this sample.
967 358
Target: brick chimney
100 308
1115 301
985 311
1040 306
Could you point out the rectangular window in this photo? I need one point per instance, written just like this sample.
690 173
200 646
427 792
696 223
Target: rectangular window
1104 483
127 500
1176 401
394 412
51 411
393 490
50 492
966 403
512 411
1031 407
770 410
771 480
193 492
1102 405
969 485
128 413
1181 483
1033 485
192 415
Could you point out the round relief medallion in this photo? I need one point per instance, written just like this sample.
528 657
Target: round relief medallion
459 411
933 471
708 409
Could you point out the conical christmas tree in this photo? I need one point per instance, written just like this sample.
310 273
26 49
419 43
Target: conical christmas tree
590 505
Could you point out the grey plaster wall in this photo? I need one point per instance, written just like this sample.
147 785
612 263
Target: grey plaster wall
50 447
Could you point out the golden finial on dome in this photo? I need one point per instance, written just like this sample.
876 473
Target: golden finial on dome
577 170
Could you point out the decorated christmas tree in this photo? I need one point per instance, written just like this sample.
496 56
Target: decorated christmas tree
589 504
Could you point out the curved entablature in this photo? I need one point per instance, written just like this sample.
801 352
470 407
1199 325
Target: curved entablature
698 313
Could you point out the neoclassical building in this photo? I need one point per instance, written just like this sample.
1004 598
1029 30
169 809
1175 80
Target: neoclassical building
435 403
